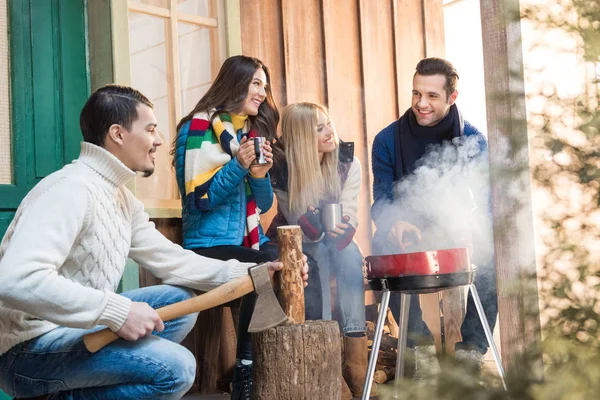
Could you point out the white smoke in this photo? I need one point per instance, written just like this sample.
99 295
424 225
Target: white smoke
448 198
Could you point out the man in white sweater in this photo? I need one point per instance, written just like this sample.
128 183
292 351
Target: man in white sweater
64 255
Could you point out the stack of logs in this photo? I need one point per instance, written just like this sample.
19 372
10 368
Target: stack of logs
386 360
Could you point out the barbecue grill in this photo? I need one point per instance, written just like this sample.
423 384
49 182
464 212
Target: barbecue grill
419 273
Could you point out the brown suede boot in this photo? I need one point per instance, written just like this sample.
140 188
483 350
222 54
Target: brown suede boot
355 364
346 393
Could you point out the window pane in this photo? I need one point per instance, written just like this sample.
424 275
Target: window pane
157 3
149 75
194 64
195 7
5 127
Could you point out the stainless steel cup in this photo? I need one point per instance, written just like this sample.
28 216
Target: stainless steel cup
260 157
332 215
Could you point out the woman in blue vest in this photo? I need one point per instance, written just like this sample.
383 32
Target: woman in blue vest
223 190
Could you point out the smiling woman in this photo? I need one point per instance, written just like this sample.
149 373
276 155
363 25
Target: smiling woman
223 189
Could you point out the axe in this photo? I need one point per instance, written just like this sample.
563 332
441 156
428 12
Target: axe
267 311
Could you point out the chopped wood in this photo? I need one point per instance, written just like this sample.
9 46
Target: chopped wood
384 374
297 362
386 358
391 323
291 285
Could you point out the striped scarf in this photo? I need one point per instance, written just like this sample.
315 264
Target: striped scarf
208 148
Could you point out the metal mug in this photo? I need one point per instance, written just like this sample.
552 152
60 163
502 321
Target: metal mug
332 215
260 156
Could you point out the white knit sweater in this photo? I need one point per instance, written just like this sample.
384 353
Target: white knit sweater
65 251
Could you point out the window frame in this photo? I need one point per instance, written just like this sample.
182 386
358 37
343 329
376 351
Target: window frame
221 48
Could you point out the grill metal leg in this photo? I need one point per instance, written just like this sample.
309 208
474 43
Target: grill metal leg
402 334
385 300
488 332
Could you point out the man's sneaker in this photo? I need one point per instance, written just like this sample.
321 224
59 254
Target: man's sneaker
427 366
242 382
471 357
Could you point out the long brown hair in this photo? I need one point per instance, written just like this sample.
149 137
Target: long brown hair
310 180
228 93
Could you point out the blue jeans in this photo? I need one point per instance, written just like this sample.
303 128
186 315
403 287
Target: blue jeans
154 367
346 266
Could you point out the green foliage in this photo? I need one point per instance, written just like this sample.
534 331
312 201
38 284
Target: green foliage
564 138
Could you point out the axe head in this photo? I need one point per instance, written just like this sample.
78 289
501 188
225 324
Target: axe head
267 311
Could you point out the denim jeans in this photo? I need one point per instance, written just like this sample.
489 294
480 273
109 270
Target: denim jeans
154 367
267 252
346 266
471 330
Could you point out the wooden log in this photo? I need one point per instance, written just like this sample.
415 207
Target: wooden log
387 342
391 323
297 362
370 329
228 339
384 374
385 358
291 285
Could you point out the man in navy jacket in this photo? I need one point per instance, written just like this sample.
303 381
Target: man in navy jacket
420 138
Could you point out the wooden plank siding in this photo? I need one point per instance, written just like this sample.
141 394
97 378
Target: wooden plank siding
514 249
303 51
262 37
408 20
358 58
345 94
433 23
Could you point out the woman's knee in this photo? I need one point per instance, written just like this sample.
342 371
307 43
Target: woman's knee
351 253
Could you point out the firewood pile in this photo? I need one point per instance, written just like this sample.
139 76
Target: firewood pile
386 360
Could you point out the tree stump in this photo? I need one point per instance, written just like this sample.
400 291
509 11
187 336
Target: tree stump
291 286
297 362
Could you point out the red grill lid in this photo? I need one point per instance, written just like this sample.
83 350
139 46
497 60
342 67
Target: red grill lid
421 263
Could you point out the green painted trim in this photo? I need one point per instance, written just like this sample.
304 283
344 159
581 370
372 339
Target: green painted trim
48 142
233 27
21 91
5 219
49 85
74 73
131 277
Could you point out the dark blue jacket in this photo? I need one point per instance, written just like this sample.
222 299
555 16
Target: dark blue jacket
384 167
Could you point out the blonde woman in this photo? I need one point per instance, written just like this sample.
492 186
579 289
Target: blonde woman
311 174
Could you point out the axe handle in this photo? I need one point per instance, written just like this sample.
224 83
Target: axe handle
225 293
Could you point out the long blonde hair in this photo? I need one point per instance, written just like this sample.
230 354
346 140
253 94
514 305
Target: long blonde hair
310 181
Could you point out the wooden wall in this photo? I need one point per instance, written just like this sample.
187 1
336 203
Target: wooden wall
355 56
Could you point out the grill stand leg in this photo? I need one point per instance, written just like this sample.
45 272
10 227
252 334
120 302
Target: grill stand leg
488 332
385 300
402 338
402 334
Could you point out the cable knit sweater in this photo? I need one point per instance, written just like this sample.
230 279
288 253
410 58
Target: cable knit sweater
65 251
